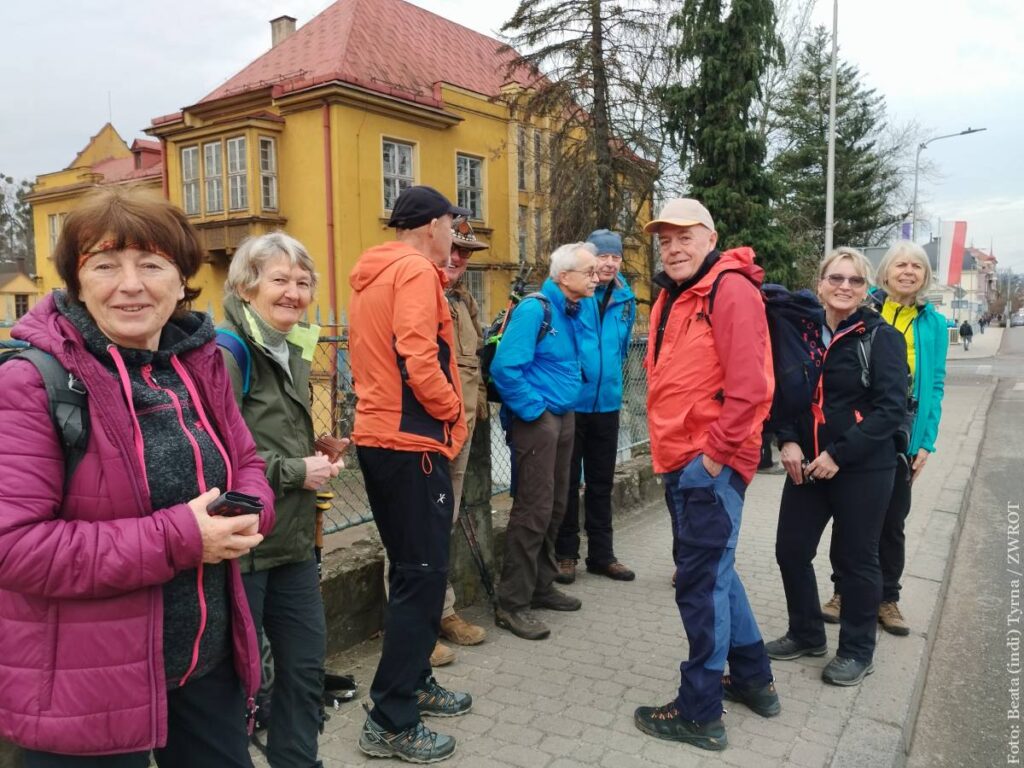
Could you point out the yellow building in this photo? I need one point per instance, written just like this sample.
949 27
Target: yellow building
106 159
18 294
319 135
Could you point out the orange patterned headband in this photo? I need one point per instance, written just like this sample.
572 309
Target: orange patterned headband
109 245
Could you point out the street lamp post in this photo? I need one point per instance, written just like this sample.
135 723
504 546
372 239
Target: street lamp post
830 171
917 167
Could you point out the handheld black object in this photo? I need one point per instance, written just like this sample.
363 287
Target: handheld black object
234 503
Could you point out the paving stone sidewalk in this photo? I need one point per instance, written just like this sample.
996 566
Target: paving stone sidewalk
568 702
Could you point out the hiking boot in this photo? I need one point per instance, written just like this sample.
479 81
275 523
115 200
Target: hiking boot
830 610
842 671
763 701
787 648
665 723
438 701
892 620
441 655
566 571
416 744
614 570
456 629
556 600
521 624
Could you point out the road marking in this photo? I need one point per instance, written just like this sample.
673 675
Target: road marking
1019 386
984 370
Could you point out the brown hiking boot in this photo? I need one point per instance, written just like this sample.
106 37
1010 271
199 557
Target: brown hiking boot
457 630
441 655
892 620
566 572
614 570
830 610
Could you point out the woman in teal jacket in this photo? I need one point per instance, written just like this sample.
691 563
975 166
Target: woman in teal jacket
903 278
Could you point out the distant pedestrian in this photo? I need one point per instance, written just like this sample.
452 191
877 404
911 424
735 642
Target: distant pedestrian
607 321
966 335
538 375
903 278
409 424
710 391
840 457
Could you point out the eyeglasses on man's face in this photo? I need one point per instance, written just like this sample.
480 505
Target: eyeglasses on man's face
855 281
590 274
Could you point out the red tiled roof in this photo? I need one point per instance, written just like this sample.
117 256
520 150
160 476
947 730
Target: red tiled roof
118 169
388 46
146 145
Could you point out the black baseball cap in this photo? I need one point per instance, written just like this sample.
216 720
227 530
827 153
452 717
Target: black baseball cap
417 206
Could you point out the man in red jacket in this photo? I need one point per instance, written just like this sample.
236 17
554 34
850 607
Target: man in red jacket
710 382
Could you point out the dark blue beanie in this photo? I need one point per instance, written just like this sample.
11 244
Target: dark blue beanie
606 241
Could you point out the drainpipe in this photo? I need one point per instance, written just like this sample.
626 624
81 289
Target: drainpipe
163 174
329 192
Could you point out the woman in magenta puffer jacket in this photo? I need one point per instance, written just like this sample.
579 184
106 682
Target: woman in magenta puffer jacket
124 628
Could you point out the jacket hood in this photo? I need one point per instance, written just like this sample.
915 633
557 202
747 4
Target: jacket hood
377 260
877 297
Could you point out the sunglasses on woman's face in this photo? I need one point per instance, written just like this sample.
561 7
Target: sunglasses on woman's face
855 281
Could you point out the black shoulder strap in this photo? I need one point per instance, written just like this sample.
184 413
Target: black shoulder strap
718 279
545 302
69 407
864 342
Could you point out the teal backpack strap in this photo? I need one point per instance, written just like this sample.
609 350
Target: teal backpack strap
239 350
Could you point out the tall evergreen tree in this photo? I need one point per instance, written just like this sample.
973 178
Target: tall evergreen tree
728 46
868 203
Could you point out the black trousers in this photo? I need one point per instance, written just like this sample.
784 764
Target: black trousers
285 602
856 503
410 496
892 544
594 450
205 729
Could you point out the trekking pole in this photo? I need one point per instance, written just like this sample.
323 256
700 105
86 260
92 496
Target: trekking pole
469 530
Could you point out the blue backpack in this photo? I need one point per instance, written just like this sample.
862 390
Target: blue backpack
794 327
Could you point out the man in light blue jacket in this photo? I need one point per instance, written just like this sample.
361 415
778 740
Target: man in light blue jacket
607 321
536 369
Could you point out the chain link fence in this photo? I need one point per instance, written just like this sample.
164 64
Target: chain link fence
333 408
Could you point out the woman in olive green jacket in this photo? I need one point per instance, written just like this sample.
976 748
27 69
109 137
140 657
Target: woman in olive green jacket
269 353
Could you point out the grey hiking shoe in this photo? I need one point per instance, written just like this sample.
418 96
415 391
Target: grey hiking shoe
433 699
556 600
416 744
786 648
843 671
521 623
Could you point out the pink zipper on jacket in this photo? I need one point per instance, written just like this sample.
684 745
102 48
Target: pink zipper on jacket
197 454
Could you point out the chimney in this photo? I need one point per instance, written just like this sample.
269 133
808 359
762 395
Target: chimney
281 29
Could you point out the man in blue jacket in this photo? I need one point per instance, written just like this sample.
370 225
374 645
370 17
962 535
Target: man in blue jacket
536 369
607 321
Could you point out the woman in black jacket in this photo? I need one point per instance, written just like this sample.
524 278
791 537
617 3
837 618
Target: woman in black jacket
840 458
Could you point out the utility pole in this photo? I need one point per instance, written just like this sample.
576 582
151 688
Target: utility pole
830 174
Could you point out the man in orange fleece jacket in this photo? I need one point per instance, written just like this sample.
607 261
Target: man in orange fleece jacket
409 424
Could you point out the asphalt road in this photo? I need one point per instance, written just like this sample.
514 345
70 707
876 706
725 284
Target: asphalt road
971 710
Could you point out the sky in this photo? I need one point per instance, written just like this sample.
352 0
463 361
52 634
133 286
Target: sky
69 66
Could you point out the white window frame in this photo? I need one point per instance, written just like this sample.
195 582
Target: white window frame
476 284
538 231
268 173
53 223
213 176
238 175
20 305
190 180
394 181
537 154
470 190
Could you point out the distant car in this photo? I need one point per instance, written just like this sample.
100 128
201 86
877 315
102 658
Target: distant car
1016 320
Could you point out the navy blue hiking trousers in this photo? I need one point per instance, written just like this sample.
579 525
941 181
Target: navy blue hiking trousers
706 513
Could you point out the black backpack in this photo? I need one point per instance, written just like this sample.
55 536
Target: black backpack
494 332
794 328
69 405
